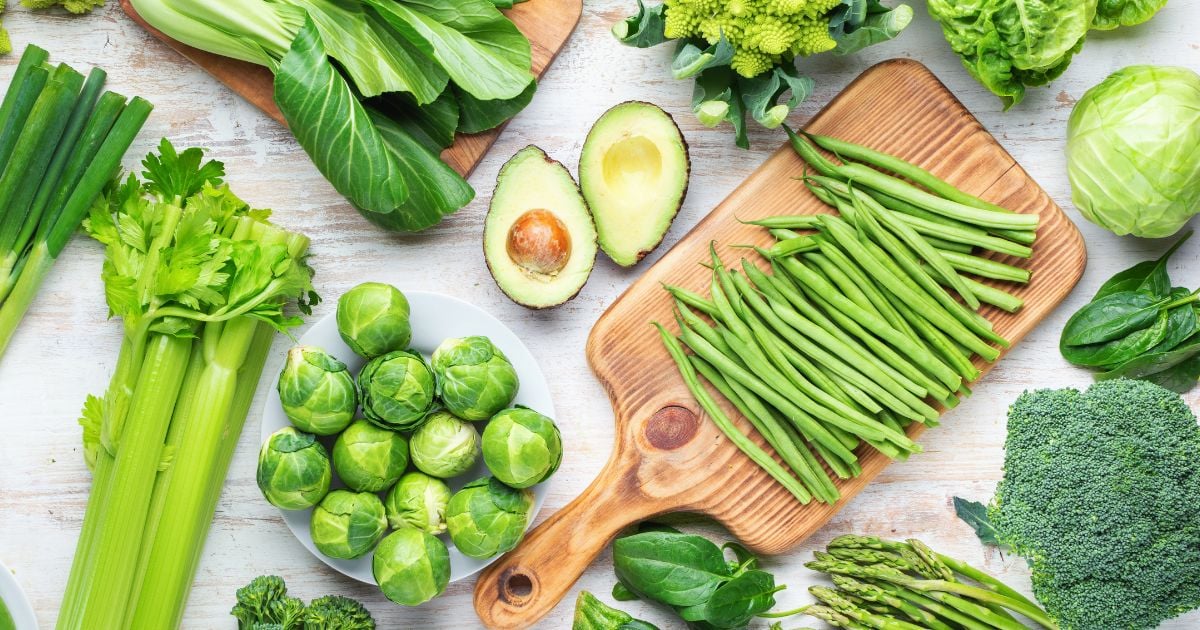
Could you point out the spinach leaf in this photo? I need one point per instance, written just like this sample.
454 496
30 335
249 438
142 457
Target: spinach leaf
433 125
671 568
691 60
1150 275
334 128
744 558
476 115
975 514
435 189
1179 378
644 29
593 614
1117 351
741 599
1185 321
1111 317
1177 364
623 593
481 50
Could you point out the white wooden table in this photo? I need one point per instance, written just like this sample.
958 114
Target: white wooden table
66 348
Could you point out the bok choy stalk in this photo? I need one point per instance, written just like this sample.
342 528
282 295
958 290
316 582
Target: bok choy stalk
200 282
60 143
373 90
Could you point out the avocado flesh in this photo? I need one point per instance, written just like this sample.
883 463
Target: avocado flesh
537 204
633 172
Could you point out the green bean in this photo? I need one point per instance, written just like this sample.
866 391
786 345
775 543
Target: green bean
957 235
904 191
987 268
1023 237
839 269
807 425
959 359
782 234
882 268
841 468
810 154
787 222
768 426
798 330
909 372
793 246
743 443
694 300
949 246
996 297
917 244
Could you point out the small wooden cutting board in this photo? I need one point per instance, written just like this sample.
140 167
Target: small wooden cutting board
668 456
547 24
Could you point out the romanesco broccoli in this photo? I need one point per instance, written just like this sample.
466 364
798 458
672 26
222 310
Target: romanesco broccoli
1101 493
764 33
74 6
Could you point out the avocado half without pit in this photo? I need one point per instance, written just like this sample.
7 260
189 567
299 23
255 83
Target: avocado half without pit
538 239
634 173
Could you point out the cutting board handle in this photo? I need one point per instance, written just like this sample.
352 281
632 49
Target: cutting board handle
524 585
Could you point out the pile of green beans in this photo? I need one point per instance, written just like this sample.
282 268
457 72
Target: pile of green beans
865 320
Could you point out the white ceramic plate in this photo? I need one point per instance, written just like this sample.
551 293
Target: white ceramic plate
14 598
435 317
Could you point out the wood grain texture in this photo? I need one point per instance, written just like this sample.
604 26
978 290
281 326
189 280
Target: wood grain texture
547 24
65 348
664 459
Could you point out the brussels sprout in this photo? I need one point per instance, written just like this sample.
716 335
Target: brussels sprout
368 458
1133 151
411 567
347 524
445 446
372 319
474 379
418 501
293 469
521 447
397 390
317 391
487 518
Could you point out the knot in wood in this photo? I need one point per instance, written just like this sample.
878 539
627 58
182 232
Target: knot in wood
671 427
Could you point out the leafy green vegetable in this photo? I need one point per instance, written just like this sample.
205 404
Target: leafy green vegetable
1101 494
974 513
593 614
1113 13
1139 127
374 89
264 603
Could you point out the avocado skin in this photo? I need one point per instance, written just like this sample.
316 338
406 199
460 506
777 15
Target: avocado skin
584 245
668 216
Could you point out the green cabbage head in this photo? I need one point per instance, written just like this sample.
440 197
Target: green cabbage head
1133 151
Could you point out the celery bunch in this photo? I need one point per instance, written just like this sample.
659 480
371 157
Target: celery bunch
200 282
61 140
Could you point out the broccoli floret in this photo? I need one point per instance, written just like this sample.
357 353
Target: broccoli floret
264 603
1101 494
74 6
334 612
763 32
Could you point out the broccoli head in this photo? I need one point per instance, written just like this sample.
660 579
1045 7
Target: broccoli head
763 33
74 6
1101 493
264 603
334 612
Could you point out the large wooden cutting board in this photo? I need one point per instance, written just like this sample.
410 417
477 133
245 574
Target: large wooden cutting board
668 456
547 24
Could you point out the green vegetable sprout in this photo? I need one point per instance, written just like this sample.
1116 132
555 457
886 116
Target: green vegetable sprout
397 390
418 501
487 518
293 470
368 458
445 446
373 319
411 566
348 524
474 378
522 447
317 392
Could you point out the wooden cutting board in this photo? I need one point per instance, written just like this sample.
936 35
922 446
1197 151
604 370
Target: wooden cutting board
547 24
668 456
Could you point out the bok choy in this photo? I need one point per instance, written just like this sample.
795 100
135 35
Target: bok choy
373 90
200 282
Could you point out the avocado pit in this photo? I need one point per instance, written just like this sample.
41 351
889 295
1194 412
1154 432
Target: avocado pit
539 242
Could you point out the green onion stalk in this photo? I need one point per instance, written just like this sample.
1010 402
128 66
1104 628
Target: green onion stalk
61 141
200 282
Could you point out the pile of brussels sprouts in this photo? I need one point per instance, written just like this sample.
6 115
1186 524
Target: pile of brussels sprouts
416 432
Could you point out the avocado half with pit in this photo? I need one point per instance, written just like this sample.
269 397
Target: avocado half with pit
634 173
538 239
